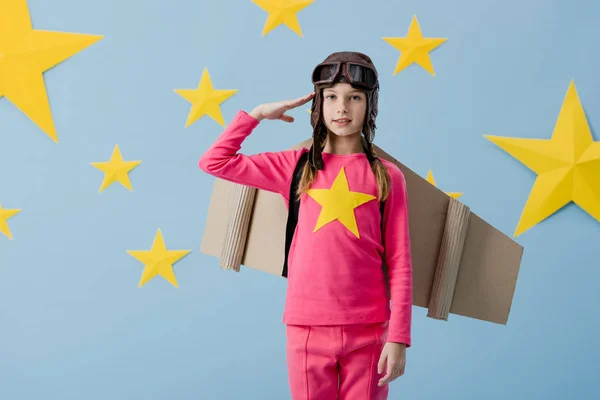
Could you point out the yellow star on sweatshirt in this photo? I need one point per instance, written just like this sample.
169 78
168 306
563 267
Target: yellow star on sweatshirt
339 203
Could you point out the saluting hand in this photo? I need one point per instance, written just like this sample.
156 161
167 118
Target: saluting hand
277 109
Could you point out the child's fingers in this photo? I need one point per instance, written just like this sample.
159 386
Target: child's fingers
307 97
386 379
381 364
391 373
300 100
287 118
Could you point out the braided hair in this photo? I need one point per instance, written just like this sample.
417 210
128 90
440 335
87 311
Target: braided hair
315 159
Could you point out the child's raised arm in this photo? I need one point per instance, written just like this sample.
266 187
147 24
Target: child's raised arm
271 171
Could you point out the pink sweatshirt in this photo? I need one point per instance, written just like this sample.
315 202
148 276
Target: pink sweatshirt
335 273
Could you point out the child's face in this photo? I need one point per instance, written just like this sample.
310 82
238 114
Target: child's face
344 109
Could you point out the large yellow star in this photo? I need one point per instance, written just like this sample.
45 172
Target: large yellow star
25 54
339 203
5 214
567 165
431 180
205 100
158 260
414 48
116 170
282 12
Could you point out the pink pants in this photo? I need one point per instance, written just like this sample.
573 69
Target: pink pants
335 362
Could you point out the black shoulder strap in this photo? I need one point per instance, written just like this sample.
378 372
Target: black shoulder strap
382 209
294 206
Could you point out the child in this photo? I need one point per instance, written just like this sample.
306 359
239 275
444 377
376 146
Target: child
343 341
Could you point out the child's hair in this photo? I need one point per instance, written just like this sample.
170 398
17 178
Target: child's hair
315 162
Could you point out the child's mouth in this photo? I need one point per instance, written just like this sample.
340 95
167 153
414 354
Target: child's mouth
341 122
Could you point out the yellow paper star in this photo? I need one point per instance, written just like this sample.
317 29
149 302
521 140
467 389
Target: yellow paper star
5 214
414 48
282 12
339 203
567 165
432 181
205 100
158 260
116 170
25 54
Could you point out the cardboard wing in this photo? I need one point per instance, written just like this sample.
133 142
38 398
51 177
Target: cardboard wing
461 264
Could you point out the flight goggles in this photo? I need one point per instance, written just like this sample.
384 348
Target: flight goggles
356 73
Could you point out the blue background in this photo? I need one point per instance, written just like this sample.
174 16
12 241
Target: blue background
73 323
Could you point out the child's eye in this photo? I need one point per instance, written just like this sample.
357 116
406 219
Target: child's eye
332 96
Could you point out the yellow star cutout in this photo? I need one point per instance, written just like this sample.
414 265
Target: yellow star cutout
567 165
414 48
432 181
205 100
339 203
282 12
25 54
116 170
5 214
158 260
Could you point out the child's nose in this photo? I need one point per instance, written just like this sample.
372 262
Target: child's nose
342 107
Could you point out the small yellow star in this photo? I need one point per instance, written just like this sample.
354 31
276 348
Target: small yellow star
567 165
432 181
414 48
5 214
116 170
282 12
205 100
158 260
339 203
25 54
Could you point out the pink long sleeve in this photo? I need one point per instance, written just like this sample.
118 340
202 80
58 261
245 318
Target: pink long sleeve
270 171
398 259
